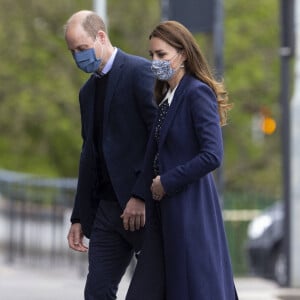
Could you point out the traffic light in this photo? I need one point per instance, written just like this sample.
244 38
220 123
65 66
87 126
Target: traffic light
268 125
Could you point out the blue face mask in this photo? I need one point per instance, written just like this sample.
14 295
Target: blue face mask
162 69
87 61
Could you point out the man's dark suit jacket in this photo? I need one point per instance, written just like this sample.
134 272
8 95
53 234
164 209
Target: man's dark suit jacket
129 112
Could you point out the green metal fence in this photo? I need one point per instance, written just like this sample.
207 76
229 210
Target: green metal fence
239 208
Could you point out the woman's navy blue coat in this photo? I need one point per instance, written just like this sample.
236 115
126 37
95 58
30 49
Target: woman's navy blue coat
197 262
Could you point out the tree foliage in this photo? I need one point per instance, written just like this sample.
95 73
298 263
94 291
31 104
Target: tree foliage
39 112
252 79
39 83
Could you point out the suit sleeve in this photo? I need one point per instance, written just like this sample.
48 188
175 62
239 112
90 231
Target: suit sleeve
142 186
83 172
143 91
144 87
206 125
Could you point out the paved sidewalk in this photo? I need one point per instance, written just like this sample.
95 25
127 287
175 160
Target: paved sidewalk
19 282
253 288
24 283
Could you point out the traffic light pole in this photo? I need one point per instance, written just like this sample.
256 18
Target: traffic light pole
285 51
165 6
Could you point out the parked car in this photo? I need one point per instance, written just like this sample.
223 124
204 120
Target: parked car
264 245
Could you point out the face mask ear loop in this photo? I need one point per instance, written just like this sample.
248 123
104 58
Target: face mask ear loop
102 49
175 55
181 66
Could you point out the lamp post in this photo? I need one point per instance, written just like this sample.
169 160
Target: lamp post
295 159
99 7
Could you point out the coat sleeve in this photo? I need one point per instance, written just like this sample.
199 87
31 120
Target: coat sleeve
206 125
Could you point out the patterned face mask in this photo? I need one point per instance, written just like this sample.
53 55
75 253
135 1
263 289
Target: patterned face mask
162 69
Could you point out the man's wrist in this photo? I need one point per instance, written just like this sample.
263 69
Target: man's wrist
74 221
137 197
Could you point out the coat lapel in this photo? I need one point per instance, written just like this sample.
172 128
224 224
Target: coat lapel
176 102
89 102
113 80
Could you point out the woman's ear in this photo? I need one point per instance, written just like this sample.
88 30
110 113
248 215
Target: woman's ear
183 55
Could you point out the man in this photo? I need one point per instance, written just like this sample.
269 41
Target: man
117 112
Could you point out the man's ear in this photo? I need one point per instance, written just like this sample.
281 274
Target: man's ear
101 36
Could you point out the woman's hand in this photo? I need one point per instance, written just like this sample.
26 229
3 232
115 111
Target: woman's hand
157 189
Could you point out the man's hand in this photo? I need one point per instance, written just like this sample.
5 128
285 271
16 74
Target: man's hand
75 238
134 214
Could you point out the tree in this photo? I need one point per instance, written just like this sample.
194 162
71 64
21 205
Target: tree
39 83
252 79
38 94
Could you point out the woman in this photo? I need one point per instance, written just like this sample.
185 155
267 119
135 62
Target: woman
183 150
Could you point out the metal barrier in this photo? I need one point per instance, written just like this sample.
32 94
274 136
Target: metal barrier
35 212
238 210
34 220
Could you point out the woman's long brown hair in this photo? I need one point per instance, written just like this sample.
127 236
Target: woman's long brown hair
179 37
